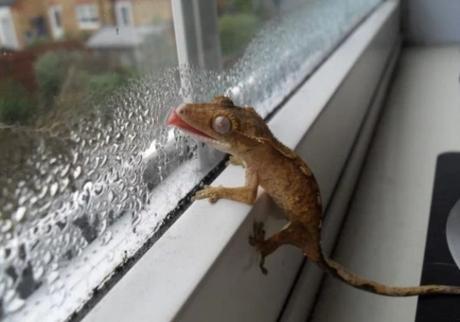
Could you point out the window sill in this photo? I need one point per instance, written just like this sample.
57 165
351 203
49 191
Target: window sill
204 258
89 25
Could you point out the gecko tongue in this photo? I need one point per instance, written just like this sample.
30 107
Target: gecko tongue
175 120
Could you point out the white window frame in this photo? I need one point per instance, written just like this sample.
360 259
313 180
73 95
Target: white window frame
119 7
87 15
57 29
202 268
10 40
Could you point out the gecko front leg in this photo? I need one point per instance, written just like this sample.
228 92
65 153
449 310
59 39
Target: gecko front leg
246 194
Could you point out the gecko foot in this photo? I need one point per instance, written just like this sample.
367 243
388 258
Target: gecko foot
257 240
210 193
258 235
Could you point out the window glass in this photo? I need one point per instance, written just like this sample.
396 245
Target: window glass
239 21
78 107
55 16
124 13
88 15
89 175
8 37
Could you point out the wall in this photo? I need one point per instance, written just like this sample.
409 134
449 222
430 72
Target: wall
147 12
432 22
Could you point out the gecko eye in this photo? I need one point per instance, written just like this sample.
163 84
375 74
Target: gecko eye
221 125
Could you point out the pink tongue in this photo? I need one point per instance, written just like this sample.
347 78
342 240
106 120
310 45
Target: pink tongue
175 120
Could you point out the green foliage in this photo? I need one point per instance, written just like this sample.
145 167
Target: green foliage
39 41
237 6
102 84
16 105
243 6
51 71
236 31
68 79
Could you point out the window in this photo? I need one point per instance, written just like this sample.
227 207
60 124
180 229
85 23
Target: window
60 99
88 173
7 29
38 27
88 16
55 18
124 13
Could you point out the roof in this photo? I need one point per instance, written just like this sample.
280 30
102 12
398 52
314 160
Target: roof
4 3
123 37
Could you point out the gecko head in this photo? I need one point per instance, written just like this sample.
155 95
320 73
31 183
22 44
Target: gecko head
219 123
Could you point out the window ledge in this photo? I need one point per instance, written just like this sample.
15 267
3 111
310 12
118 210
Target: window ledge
88 25
206 238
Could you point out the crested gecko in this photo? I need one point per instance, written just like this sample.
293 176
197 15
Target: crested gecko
285 177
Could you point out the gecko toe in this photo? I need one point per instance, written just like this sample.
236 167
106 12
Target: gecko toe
258 235
213 198
207 192
262 266
259 231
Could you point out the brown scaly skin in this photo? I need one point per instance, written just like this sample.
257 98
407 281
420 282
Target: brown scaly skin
241 132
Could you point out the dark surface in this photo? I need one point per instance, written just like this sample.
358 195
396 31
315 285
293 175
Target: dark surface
438 265
6 2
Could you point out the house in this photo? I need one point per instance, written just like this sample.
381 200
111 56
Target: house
141 12
137 27
21 21
24 21
73 18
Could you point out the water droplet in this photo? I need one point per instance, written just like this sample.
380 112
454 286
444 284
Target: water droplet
98 188
111 196
83 198
14 305
47 257
106 238
39 270
64 183
77 172
53 189
6 225
65 171
10 294
2 288
52 277
19 214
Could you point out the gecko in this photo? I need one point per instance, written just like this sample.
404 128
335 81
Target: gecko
284 176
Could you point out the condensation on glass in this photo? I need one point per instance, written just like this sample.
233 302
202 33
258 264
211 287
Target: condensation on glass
88 171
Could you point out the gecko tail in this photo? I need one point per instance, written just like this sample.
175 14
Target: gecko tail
362 283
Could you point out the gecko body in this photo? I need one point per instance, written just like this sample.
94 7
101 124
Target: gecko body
284 176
